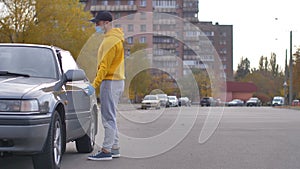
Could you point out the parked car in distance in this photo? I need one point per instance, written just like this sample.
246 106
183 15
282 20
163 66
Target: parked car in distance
151 101
278 101
253 101
184 101
296 102
164 100
46 101
173 101
235 102
207 101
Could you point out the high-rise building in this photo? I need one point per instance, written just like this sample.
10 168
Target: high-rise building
171 29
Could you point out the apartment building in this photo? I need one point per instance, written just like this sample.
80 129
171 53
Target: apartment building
171 29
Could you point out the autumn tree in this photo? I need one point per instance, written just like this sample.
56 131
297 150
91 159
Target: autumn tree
267 78
274 68
267 85
203 82
296 74
243 69
138 77
263 64
62 23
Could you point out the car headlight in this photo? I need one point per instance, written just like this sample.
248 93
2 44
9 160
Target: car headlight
19 106
29 105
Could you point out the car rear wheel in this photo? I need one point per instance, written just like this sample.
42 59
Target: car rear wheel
86 143
52 153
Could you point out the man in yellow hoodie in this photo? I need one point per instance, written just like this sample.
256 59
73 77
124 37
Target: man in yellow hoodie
110 79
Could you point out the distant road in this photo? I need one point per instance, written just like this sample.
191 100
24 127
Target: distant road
246 138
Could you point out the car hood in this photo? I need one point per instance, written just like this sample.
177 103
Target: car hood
150 101
18 87
252 101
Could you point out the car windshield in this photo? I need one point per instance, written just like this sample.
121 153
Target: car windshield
150 98
25 60
162 96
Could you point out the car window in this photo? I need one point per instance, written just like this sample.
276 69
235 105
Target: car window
68 61
34 61
150 98
162 96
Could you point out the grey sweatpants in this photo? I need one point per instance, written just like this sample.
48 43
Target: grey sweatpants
110 93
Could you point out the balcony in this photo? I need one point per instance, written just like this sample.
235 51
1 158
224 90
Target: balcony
194 47
165 33
113 8
165 21
190 9
191 38
165 45
191 19
165 10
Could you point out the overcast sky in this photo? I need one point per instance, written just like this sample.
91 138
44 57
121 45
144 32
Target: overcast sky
259 26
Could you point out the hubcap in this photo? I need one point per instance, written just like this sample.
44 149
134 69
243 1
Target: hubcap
57 143
92 131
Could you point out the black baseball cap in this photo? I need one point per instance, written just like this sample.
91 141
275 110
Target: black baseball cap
102 16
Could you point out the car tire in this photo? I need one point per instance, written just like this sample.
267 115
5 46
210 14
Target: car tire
52 153
86 143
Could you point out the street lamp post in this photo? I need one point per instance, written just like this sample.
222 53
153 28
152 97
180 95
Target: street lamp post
291 71
284 92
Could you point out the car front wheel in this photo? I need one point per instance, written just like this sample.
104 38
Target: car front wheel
85 144
52 153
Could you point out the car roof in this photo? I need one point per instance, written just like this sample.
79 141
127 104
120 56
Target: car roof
30 45
24 44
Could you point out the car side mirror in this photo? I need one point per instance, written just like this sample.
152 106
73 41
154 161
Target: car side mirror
74 75
70 75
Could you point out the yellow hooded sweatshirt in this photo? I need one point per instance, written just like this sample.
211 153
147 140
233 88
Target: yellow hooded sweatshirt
110 57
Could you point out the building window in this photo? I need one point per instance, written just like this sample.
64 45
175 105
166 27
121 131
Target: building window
130 40
223 42
143 28
155 27
118 25
143 39
117 2
94 2
223 51
127 52
163 39
117 15
130 2
130 28
104 2
223 34
164 3
143 15
130 16
143 3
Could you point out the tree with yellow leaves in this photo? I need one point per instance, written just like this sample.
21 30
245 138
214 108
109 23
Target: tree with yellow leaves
62 23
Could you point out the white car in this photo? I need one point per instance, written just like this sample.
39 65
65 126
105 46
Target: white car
151 101
184 101
173 101
164 100
235 102
253 101
278 101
